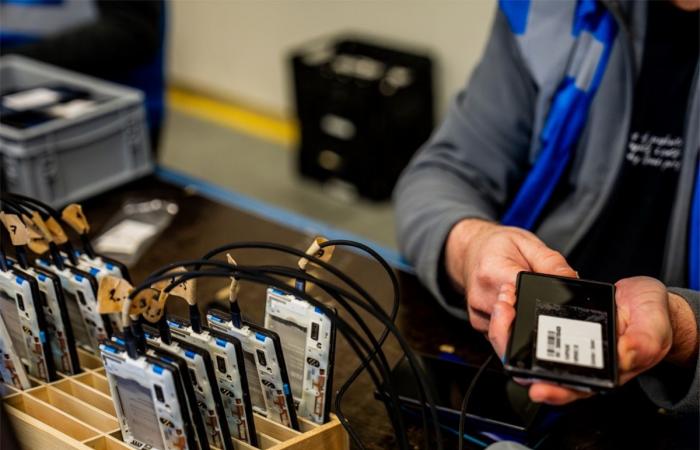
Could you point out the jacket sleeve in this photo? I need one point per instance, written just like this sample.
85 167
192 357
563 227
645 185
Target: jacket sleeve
473 162
674 389
125 35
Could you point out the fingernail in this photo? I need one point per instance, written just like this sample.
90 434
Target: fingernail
502 297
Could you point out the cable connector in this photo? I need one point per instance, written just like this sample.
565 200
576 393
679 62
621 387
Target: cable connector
233 291
318 251
315 249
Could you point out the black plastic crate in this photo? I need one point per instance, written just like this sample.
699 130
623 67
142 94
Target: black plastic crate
363 111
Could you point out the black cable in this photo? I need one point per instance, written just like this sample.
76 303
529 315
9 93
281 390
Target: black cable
50 212
248 274
419 373
394 311
465 400
424 386
338 274
329 288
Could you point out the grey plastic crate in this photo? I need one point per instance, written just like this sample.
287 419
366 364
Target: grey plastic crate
67 160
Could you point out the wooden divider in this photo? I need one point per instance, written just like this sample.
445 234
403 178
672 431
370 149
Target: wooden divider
77 413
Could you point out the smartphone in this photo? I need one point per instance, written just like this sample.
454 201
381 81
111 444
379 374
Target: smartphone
150 401
209 404
22 312
564 332
90 328
231 378
265 368
307 337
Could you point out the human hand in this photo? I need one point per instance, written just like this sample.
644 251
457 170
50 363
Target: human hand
481 257
647 316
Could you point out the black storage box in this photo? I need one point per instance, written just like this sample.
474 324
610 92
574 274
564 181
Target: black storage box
363 111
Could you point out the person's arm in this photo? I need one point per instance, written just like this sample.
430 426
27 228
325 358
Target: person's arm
675 384
125 35
471 165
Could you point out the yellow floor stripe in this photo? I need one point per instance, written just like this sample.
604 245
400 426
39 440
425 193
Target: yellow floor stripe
280 131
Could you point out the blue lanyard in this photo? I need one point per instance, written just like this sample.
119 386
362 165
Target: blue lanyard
694 236
567 117
595 29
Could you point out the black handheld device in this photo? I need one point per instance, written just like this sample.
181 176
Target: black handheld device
564 332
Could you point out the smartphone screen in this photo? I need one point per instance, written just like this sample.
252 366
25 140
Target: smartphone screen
564 331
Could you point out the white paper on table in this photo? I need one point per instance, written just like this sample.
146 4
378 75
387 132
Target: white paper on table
125 237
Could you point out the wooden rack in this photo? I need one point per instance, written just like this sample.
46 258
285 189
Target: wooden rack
77 413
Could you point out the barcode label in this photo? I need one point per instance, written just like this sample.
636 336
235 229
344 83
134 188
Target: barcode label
569 341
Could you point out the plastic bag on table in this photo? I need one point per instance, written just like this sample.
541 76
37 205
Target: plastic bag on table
134 228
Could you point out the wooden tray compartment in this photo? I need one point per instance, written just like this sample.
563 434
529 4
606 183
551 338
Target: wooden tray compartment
76 413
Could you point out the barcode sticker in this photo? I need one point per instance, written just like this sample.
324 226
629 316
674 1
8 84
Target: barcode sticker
569 341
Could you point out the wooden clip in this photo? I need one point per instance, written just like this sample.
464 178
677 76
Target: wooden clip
186 289
143 300
156 309
57 233
73 215
235 287
111 294
37 243
19 234
324 254
41 226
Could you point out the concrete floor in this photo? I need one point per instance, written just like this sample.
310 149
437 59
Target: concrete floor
266 172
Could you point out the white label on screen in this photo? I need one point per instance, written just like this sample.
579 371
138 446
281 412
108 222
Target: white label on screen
569 341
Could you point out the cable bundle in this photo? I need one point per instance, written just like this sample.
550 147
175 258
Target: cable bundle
364 343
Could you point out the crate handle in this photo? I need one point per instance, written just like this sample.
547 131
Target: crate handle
84 139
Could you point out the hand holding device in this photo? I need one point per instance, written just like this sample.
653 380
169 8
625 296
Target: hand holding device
481 257
644 333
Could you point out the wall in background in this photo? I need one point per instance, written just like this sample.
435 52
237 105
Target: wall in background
238 49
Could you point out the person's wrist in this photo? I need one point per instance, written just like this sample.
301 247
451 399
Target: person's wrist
684 348
456 247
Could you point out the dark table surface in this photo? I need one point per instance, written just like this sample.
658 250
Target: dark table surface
621 420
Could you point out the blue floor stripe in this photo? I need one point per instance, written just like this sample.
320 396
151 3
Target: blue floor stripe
276 214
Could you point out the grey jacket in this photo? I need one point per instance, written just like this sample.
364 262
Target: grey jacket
475 161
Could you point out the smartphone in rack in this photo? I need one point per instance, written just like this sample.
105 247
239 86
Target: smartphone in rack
90 328
226 353
307 337
23 314
265 368
150 401
60 331
210 405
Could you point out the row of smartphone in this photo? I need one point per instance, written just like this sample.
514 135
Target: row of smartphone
47 301
191 386
199 386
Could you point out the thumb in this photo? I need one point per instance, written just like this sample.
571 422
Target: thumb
543 259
